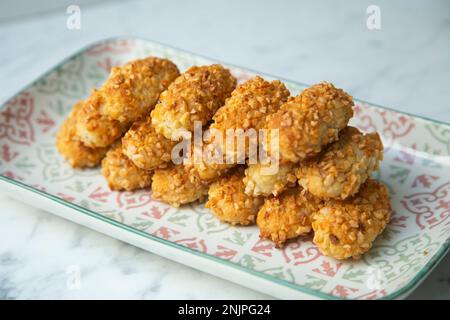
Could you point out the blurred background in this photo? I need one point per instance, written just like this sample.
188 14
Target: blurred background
399 58
404 64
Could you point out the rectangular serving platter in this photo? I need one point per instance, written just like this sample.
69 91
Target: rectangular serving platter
416 169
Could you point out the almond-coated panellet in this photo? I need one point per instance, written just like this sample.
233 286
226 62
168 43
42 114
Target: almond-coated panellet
194 96
347 228
340 170
72 148
308 122
122 174
228 201
132 90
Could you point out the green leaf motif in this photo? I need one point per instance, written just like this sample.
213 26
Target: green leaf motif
429 161
179 218
441 133
249 261
54 169
67 80
207 222
401 259
445 234
314 283
142 224
112 214
238 238
355 274
88 204
388 233
25 164
59 107
79 186
281 273
399 173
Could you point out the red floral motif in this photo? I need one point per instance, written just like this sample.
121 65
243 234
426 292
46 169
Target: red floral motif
45 121
107 64
165 233
115 47
15 120
343 291
425 180
155 212
6 154
194 243
300 252
365 120
395 124
328 268
132 200
225 253
430 208
376 294
12 175
264 247
39 187
391 125
65 196
99 194
398 221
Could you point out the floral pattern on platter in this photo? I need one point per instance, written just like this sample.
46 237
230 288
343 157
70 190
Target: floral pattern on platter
416 169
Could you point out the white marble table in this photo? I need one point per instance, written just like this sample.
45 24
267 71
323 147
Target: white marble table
405 65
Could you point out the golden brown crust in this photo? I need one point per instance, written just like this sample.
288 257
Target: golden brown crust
228 201
94 128
347 228
132 90
122 174
287 216
70 146
246 109
201 168
147 149
250 103
309 121
193 96
339 171
259 181
175 186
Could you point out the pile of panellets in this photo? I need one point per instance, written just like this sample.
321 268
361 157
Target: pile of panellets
319 177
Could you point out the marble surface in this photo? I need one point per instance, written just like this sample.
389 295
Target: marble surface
405 65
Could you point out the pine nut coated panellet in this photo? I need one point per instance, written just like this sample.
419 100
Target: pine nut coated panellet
72 148
194 96
146 148
258 182
122 174
287 216
246 109
94 128
347 228
132 90
229 203
340 170
175 186
309 121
